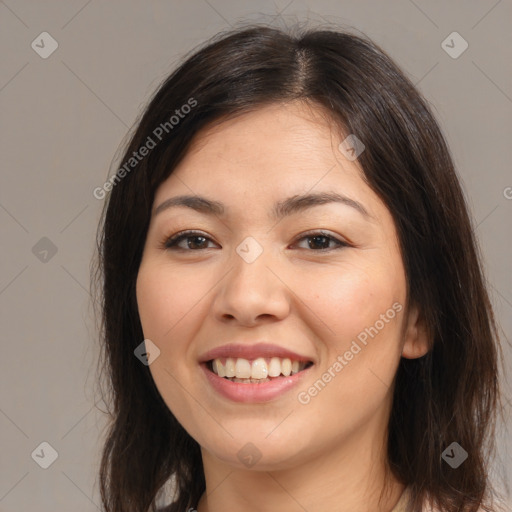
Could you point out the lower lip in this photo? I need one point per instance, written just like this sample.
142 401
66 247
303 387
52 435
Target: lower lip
264 392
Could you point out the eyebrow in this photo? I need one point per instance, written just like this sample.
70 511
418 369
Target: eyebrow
280 209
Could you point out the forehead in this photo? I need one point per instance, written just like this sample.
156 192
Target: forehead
278 126
276 148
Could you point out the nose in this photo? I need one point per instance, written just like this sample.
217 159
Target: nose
252 293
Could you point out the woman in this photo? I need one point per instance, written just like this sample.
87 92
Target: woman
294 311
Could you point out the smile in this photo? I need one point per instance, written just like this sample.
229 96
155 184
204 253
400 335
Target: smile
255 371
232 378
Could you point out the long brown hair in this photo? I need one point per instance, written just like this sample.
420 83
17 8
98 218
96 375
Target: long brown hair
450 394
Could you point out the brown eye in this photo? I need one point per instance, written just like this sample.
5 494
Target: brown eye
194 241
319 241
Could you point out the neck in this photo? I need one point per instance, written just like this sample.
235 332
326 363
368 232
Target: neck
352 477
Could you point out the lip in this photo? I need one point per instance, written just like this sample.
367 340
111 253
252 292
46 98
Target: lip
253 393
251 352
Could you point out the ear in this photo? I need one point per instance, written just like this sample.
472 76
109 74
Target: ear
416 339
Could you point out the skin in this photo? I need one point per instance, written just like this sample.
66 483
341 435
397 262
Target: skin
328 454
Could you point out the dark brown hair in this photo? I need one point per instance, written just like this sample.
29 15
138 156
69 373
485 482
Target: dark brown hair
450 394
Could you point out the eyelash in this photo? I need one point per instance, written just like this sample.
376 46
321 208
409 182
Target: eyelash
170 243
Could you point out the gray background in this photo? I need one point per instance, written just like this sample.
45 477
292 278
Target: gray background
63 120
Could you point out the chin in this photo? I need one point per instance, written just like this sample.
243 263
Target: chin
256 452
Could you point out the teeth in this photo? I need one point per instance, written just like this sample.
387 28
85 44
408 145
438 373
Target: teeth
259 369
286 367
249 381
218 368
230 367
274 369
242 370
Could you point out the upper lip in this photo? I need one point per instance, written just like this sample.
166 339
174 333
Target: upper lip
254 351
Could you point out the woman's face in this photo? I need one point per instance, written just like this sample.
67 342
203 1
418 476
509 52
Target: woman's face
320 278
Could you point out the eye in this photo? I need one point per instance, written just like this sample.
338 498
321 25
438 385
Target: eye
194 240
323 239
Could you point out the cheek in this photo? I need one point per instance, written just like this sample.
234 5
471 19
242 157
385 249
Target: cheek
351 298
166 306
163 298
362 306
